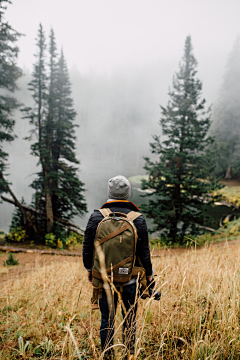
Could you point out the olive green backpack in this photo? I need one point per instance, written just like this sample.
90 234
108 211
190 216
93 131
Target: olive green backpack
116 236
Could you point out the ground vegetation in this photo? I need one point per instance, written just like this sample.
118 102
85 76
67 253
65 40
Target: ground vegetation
46 311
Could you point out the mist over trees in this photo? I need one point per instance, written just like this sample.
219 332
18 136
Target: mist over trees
180 178
226 118
100 102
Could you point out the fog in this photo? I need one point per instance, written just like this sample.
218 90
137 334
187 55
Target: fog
122 56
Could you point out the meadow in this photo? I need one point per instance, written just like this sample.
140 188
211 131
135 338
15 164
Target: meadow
46 312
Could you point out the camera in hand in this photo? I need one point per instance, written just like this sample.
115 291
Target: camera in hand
155 294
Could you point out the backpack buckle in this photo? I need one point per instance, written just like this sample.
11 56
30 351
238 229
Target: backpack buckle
114 216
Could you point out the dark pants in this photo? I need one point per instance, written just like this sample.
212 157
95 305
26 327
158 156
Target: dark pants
108 318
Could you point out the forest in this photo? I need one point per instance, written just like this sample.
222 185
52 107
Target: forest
180 181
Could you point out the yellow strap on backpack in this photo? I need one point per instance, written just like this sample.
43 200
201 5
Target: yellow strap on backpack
132 215
105 212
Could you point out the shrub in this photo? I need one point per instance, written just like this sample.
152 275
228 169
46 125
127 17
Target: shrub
64 241
74 239
71 240
16 235
10 261
50 240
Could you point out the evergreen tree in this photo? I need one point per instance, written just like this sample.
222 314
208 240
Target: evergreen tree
9 73
49 178
180 177
226 118
67 188
58 191
37 116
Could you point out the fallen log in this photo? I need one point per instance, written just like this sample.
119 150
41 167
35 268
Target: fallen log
38 251
47 252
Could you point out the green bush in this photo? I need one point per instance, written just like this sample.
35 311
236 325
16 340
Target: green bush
16 235
50 240
10 261
73 239
63 242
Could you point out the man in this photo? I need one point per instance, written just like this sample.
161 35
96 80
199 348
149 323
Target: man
119 191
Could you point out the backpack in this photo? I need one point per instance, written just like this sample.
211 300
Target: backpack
116 236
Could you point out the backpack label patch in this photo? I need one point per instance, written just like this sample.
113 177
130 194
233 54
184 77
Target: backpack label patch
123 271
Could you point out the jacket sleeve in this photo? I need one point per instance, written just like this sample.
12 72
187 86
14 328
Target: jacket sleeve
88 243
143 250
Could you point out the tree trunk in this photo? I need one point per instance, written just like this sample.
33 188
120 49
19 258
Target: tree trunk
49 209
228 175
49 212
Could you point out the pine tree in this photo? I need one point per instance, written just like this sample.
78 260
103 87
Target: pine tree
226 118
67 190
37 116
180 177
9 73
49 177
58 190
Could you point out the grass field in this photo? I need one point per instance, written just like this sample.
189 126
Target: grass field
46 312
231 194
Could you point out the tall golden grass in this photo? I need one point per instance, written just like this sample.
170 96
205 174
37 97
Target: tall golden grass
47 313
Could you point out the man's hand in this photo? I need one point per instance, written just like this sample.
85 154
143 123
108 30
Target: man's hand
90 277
150 282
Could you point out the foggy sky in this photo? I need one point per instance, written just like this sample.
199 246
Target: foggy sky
102 35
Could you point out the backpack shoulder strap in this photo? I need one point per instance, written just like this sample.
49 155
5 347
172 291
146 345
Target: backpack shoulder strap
105 212
132 215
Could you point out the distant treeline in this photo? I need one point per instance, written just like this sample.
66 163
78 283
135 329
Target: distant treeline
226 119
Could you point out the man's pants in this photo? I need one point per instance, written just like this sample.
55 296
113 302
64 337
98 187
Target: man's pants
108 318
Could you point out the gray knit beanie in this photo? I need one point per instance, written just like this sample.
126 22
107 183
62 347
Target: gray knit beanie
119 188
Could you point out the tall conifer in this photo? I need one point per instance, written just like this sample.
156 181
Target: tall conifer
37 116
180 178
58 190
68 190
49 131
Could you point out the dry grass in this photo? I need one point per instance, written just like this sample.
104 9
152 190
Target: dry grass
47 314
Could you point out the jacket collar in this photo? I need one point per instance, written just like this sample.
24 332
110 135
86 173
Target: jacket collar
121 203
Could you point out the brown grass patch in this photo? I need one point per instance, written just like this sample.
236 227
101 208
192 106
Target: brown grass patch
45 311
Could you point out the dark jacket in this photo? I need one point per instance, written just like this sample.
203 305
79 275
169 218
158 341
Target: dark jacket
142 243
